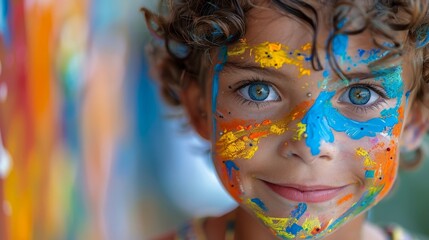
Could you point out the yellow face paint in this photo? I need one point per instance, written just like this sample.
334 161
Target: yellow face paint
286 227
275 55
243 142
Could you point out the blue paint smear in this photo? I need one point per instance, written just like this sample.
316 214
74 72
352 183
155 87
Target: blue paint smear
299 210
373 55
294 229
323 117
422 36
369 174
217 30
407 96
363 203
230 165
260 204
223 55
218 68
339 45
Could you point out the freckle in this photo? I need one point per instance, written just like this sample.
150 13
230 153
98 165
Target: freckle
229 112
229 87
388 149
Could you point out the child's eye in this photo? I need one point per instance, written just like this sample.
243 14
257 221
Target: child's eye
359 96
258 92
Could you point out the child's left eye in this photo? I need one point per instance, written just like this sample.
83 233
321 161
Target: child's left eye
360 96
258 92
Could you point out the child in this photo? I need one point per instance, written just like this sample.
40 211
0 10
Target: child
306 104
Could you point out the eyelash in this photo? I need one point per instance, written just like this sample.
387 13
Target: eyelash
356 108
244 83
375 106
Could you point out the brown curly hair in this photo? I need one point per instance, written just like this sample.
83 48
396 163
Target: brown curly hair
190 24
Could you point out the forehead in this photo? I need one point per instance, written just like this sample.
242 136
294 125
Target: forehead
269 23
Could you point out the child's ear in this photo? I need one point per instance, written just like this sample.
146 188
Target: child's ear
195 104
416 127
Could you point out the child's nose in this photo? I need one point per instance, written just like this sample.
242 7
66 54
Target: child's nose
298 149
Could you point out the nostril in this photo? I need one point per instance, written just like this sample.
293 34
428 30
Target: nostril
326 157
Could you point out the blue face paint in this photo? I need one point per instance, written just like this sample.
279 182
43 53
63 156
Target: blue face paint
223 55
369 174
323 117
297 214
422 36
259 203
364 202
299 210
340 45
230 165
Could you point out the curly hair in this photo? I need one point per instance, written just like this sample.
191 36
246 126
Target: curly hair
190 24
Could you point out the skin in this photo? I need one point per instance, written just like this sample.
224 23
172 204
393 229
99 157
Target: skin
364 167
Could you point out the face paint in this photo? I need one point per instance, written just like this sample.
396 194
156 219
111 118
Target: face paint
250 150
322 117
422 36
244 141
275 55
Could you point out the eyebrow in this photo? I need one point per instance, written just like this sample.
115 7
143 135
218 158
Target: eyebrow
275 72
255 68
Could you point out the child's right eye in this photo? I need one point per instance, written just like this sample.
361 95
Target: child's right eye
259 92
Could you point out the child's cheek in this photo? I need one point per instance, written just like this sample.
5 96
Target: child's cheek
380 160
238 140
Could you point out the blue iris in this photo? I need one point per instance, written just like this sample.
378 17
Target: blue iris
258 91
359 95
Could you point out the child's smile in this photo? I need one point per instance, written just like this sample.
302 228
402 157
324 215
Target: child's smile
303 150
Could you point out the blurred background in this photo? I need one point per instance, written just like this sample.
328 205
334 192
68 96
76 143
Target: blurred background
88 150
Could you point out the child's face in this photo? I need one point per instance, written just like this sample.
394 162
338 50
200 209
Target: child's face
300 149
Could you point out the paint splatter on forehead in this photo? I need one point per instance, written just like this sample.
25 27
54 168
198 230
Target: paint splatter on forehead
274 55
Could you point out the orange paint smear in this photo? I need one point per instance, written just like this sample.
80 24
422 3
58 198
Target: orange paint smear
233 185
387 166
397 128
257 135
316 230
243 142
231 125
344 199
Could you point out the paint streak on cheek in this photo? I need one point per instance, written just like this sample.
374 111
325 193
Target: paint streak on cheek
380 170
239 141
230 175
345 199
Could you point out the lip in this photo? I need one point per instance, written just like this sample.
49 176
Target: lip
309 194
